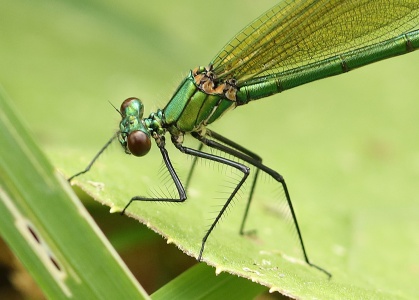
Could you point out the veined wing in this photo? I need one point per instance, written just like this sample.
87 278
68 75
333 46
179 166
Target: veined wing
300 32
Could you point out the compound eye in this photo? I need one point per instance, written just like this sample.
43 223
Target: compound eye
138 143
127 102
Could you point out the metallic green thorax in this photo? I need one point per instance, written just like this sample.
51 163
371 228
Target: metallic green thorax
198 101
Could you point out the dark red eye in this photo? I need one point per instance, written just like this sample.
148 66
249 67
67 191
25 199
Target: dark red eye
138 143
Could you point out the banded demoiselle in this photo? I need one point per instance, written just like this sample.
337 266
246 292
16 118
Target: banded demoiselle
293 43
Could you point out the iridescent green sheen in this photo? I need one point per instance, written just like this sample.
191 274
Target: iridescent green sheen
190 108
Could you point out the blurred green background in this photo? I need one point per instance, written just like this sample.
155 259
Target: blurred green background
347 145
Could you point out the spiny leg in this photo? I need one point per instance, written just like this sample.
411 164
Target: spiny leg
244 154
239 148
249 153
244 169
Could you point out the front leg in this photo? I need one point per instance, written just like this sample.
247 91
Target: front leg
181 190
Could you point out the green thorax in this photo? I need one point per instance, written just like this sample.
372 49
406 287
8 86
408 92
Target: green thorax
198 101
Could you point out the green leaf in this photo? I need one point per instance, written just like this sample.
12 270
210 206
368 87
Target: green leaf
347 145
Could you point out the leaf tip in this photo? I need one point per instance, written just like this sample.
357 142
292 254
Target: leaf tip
115 209
218 270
